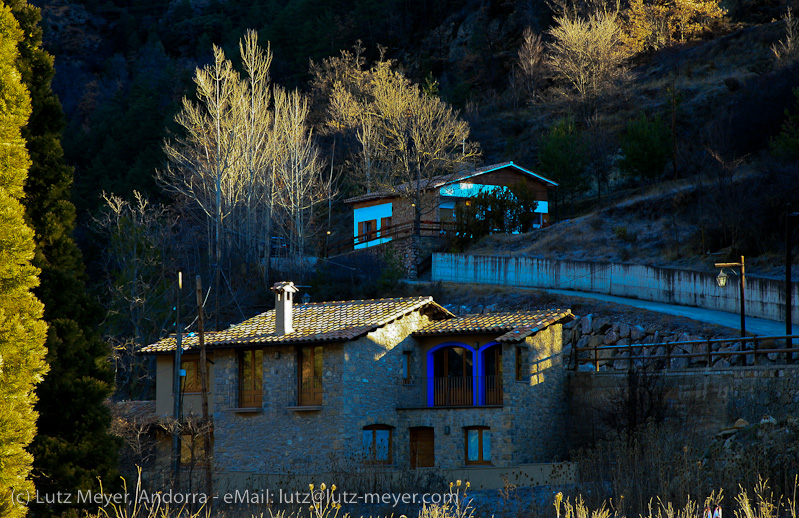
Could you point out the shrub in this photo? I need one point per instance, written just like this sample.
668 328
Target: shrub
646 147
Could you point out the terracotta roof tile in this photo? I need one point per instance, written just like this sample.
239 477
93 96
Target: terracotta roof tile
512 327
315 322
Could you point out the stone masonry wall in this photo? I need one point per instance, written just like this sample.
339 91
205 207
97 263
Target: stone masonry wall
362 382
589 331
527 428
701 401
357 381
539 404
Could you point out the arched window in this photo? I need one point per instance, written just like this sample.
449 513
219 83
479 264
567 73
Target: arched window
491 375
378 443
453 379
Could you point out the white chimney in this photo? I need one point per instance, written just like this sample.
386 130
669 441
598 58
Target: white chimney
284 297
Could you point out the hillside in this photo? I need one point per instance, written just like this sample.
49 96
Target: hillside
123 67
666 225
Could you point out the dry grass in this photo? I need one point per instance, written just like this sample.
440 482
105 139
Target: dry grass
757 502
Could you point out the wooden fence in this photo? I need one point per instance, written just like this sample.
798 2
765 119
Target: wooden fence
426 228
677 350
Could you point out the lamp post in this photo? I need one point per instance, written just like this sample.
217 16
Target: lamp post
721 280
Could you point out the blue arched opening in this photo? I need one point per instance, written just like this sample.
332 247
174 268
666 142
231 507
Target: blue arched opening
489 371
452 368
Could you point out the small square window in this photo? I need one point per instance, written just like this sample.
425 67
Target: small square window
192 382
192 450
478 445
406 368
377 443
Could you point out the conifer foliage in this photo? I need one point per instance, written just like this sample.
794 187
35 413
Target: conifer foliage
72 447
22 332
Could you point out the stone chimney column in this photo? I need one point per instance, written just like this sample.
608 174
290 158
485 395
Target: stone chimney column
284 299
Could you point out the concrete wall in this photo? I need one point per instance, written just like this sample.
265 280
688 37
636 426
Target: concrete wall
765 298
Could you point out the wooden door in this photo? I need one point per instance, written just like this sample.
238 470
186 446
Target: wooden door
423 452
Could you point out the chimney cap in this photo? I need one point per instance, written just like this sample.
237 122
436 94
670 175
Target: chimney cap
285 287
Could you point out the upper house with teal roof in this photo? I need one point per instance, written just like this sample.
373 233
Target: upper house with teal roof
379 217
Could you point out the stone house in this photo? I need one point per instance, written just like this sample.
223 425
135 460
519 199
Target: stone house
399 383
382 216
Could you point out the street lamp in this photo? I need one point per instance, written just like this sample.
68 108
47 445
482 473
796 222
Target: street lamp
721 280
306 298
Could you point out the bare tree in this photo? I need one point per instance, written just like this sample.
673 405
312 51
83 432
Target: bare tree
348 111
141 245
256 143
588 53
787 48
573 9
419 138
298 169
205 161
531 63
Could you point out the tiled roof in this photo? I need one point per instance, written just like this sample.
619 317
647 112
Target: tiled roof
512 327
315 322
440 181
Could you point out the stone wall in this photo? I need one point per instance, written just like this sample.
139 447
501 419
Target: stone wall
410 256
590 331
702 402
362 384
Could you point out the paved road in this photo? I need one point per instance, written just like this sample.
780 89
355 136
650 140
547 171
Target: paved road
758 326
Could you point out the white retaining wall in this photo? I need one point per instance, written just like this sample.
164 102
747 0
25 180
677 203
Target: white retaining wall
765 298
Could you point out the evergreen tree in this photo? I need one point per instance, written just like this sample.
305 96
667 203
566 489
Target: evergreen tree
646 147
22 332
563 156
73 446
786 144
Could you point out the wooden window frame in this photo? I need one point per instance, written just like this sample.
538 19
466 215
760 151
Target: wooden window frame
255 388
196 381
453 390
480 442
193 444
365 234
385 224
406 368
372 452
312 395
414 462
491 383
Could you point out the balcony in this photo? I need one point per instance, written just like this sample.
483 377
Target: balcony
452 392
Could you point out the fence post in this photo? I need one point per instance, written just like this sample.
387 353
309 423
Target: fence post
596 358
630 357
754 352
668 355
709 354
